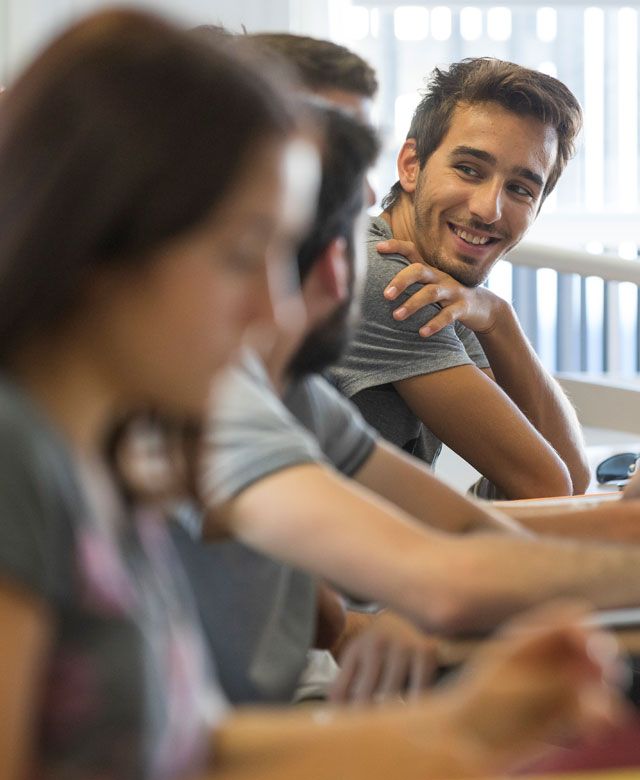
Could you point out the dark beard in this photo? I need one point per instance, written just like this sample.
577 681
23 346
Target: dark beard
324 345
464 270
466 275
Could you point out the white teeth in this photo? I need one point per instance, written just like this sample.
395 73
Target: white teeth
470 239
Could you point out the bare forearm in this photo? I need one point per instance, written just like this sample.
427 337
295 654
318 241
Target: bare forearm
519 372
449 584
320 522
512 694
503 575
371 745
492 433
619 522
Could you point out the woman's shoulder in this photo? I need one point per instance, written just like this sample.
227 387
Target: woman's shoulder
28 441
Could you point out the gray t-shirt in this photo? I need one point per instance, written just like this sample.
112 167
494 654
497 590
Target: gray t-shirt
384 351
126 692
259 614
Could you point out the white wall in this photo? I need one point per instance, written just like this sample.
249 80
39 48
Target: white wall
25 25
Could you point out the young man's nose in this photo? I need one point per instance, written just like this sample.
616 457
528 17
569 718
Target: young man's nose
486 203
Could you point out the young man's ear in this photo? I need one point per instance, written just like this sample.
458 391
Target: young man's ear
327 283
335 270
408 166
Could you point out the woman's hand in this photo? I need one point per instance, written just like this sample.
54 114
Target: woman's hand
546 676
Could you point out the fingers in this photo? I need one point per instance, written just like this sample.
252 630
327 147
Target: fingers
391 656
379 673
360 669
395 672
546 676
430 293
421 672
446 317
416 273
556 633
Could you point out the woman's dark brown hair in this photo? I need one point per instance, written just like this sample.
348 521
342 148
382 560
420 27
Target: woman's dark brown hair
123 133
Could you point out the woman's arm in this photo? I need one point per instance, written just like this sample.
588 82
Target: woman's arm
550 677
24 641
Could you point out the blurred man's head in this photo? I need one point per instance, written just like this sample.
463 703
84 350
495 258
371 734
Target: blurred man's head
325 68
328 70
486 146
331 258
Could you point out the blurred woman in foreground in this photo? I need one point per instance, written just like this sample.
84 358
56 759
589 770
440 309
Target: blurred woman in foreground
147 184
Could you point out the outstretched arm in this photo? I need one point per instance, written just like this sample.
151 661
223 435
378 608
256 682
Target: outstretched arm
24 642
611 521
514 363
542 681
317 520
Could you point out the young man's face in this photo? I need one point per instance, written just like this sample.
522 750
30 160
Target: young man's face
481 189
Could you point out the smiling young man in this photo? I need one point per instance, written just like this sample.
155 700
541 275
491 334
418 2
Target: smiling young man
487 144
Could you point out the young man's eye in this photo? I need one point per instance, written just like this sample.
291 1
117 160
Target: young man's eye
523 192
467 170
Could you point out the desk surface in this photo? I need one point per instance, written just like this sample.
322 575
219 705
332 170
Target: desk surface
598 774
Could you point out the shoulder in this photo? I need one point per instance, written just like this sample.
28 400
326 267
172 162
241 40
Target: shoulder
40 498
29 445
381 267
245 397
316 392
250 435
325 411
343 435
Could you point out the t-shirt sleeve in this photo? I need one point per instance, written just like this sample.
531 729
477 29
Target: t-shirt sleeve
250 435
472 346
384 350
344 436
36 539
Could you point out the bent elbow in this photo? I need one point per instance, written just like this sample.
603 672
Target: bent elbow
553 481
557 484
581 478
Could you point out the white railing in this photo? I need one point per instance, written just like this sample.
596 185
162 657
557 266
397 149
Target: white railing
605 395
580 310
567 261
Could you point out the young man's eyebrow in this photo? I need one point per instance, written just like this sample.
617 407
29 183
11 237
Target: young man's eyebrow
481 154
471 151
527 173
